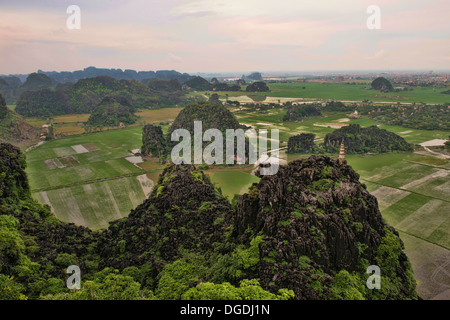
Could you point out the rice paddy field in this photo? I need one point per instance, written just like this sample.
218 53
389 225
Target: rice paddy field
89 179
343 91
413 193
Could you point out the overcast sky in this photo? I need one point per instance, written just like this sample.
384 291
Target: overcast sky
224 35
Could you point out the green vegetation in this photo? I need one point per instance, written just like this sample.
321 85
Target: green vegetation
359 91
184 257
85 94
233 182
212 115
416 116
363 140
412 209
111 112
258 86
302 143
301 112
199 84
3 108
153 141
382 84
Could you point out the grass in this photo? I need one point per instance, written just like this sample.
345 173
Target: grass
95 204
423 210
107 161
233 182
71 124
340 91
337 91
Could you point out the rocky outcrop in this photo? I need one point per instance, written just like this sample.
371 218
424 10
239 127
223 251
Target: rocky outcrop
316 218
382 84
183 214
312 228
153 141
362 140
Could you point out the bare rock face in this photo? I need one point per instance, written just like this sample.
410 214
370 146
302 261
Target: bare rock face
316 218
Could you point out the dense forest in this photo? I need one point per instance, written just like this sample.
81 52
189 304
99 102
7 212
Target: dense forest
308 232
416 116
3 108
212 115
338 106
11 87
363 140
301 143
382 84
85 94
258 86
118 74
200 84
154 142
302 112
111 111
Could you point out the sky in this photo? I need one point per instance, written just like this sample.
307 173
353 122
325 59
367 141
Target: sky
224 35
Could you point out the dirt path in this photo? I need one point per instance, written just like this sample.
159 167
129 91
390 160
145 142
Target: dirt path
436 154
47 201
146 184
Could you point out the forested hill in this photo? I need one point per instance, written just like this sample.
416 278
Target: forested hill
211 114
13 127
302 112
112 111
362 140
11 87
85 94
308 232
118 74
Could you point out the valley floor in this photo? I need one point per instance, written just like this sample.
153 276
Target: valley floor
91 180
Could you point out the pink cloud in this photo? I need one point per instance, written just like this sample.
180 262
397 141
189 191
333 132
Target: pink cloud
265 31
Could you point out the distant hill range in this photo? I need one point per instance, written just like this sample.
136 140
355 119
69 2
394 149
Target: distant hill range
254 76
84 95
118 74
12 86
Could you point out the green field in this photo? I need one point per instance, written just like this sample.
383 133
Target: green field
320 126
233 182
92 187
94 204
341 91
57 163
413 196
